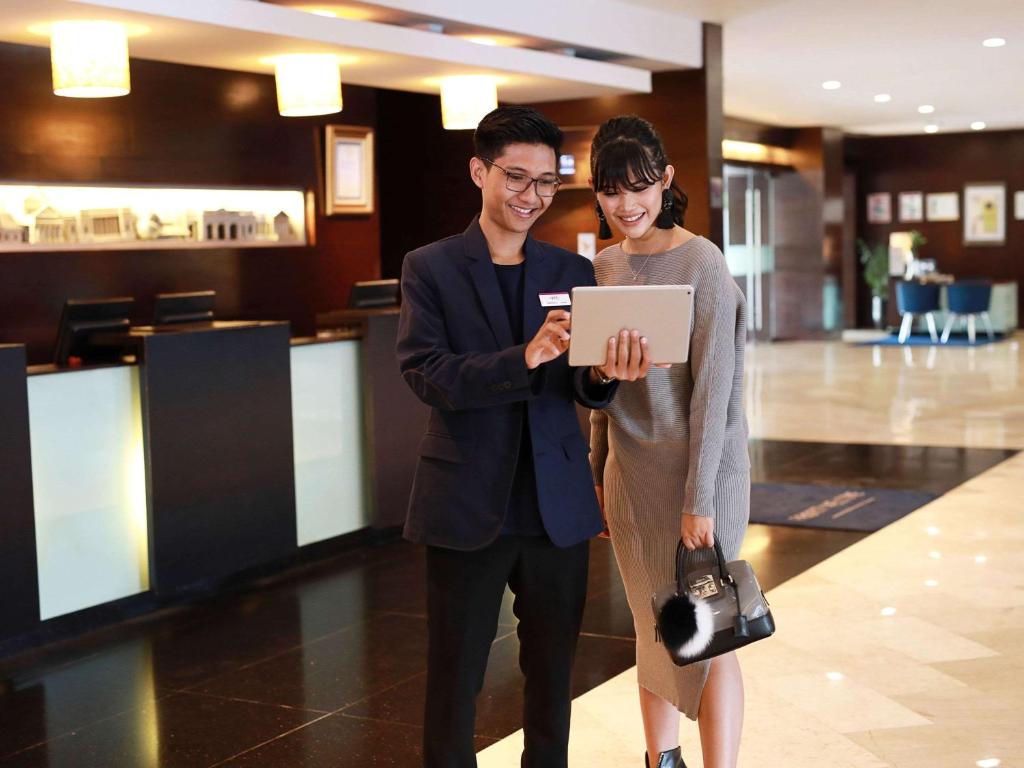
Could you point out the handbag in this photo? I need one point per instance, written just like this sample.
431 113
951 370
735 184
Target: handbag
711 609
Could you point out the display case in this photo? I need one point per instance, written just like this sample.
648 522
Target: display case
52 217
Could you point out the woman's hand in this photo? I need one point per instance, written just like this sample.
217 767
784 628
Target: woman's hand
627 358
698 531
605 534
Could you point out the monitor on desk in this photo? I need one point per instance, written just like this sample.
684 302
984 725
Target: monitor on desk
374 294
93 330
191 307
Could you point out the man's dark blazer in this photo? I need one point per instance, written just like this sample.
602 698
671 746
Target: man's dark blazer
457 353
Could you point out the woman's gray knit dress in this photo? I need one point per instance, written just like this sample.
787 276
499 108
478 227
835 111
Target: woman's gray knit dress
675 442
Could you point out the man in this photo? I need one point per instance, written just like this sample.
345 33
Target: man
503 492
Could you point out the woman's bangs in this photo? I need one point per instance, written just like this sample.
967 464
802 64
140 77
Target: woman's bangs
624 164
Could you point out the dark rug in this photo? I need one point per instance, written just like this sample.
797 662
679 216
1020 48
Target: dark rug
925 340
835 507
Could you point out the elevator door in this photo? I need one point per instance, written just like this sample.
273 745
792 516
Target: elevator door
749 241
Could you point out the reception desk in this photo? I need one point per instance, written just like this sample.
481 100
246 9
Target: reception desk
224 449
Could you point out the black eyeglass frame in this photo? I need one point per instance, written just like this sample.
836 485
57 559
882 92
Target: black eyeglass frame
534 181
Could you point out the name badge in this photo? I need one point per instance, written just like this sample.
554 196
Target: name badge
555 300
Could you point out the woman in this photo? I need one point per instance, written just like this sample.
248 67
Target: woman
670 453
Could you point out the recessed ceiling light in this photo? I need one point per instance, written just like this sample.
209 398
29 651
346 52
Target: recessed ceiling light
931 129
883 98
831 85
931 583
935 555
926 109
834 676
980 559
978 125
481 40
932 530
994 42
889 611
989 762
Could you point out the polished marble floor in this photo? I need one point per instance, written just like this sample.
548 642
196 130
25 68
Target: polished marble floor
325 665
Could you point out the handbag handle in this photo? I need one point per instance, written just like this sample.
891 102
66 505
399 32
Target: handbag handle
682 558
740 623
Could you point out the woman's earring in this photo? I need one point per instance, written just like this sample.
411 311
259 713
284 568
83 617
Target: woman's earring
604 231
665 218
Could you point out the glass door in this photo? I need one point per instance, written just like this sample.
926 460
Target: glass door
748 224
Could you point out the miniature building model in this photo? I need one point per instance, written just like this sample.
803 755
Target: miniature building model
229 225
54 227
283 227
11 231
109 224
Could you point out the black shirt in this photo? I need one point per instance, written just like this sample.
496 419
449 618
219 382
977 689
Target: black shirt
522 517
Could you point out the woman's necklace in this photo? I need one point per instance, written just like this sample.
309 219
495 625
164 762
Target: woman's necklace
638 272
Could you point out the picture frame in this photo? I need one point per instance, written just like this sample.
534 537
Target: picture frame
349 169
911 206
984 213
1018 206
943 206
879 208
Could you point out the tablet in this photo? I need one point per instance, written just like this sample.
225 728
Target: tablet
662 313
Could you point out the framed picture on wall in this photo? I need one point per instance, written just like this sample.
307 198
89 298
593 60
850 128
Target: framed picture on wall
911 206
943 206
880 208
349 172
1018 206
984 214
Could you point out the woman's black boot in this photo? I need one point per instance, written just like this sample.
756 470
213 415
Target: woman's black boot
671 759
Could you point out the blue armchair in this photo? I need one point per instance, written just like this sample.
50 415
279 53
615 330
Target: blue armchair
913 298
969 299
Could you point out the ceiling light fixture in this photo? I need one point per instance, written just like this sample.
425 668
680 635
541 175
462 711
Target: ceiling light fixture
931 129
89 59
465 99
994 42
926 109
978 125
308 84
883 98
831 85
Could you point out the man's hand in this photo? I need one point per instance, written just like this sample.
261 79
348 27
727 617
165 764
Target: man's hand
605 534
698 531
551 341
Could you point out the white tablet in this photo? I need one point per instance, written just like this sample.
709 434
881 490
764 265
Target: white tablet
662 313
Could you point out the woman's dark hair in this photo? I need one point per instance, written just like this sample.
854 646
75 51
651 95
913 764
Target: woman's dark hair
514 125
627 153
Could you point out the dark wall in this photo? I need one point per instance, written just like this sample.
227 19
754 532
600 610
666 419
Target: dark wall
179 126
436 197
942 163
686 108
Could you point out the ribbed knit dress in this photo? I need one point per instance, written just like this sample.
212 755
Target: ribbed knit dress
675 442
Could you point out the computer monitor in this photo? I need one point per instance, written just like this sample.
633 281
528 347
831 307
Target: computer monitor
191 307
93 330
374 294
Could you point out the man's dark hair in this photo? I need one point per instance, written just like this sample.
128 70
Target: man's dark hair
514 125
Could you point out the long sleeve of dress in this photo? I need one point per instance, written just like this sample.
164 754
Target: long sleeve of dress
712 363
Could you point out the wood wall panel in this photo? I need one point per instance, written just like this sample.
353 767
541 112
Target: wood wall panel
180 126
941 163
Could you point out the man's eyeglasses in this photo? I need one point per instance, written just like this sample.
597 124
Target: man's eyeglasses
546 186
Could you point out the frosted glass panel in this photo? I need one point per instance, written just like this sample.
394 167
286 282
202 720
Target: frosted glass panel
88 478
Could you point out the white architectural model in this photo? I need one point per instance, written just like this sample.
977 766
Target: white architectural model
11 232
106 224
229 225
52 226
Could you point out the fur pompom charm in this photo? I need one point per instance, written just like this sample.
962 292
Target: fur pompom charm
686 625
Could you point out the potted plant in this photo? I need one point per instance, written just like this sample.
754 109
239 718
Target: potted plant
876 275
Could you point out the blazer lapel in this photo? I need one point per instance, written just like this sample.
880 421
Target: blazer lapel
481 269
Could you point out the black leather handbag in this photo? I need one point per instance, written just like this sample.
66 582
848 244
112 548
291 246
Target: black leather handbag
710 609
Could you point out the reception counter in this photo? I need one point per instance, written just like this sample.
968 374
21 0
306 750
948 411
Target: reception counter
225 449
